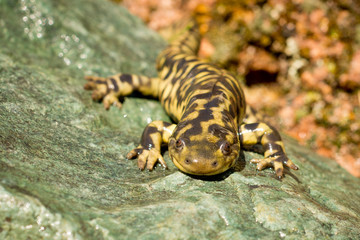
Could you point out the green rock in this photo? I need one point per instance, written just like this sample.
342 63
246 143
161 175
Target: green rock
63 172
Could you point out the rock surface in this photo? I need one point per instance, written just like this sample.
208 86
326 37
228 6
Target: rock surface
63 174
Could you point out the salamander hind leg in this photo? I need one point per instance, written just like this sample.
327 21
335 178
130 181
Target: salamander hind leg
273 147
108 90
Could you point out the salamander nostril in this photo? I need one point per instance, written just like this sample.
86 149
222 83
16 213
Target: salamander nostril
214 164
187 161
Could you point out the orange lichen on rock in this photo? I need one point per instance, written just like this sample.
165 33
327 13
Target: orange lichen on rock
351 79
163 13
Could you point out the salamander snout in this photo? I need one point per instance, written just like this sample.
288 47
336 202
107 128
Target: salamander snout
203 157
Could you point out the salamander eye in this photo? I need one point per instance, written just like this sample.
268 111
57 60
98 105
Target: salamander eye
179 144
225 148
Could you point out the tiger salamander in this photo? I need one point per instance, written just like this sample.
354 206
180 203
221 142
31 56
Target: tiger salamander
208 105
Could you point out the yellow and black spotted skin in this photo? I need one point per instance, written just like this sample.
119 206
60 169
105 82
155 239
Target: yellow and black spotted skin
208 105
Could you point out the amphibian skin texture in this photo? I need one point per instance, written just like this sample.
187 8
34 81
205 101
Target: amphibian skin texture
208 105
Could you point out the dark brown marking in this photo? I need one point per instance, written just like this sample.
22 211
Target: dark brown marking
116 87
196 70
166 124
235 90
251 126
195 130
217 130
282 158
226 118
146 140
204 116
273 146
126 78
169 62
232 109
200 96
100 82
213 103
273 137
180 65
190 108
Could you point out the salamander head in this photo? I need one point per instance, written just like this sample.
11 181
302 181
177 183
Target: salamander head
210 150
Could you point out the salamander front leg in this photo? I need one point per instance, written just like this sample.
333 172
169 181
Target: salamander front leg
273 147
109 89
102 91
148 152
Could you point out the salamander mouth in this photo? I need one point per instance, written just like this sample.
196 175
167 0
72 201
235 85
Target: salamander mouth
198 172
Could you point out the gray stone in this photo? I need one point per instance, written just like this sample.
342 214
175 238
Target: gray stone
63 172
